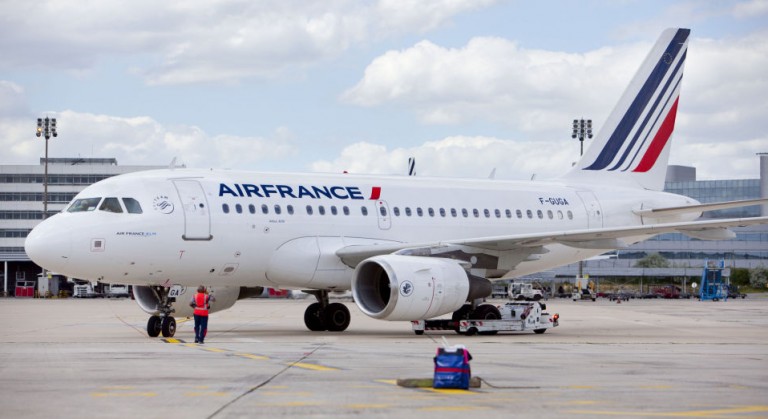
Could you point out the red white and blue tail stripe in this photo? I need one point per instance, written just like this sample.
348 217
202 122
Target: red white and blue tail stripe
634 142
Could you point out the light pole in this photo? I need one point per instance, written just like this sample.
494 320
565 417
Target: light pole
47 128
581 129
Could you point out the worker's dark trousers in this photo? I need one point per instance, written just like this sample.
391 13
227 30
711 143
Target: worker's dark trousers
201 327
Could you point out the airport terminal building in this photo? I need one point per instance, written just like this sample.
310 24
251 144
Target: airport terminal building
21 205
687 256
21 208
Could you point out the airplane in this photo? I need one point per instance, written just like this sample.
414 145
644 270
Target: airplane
409 248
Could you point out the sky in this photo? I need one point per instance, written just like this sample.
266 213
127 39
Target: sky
464 86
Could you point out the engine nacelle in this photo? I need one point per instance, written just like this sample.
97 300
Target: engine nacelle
149 300
394 287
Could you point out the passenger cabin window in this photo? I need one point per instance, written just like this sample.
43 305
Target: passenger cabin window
278 210
419 212
309 209
289 208
408 211
225 208
238 208
111 205
346 210
82 205
252 208
264 209
334 211
383 211
396 210
132 206
364 210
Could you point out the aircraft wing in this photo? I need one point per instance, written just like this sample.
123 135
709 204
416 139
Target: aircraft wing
661 212
507 251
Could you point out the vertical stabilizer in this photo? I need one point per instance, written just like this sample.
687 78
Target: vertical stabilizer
633 145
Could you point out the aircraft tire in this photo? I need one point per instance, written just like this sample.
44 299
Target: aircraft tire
313 318
153 326
486 312
168 327
336 317
461 314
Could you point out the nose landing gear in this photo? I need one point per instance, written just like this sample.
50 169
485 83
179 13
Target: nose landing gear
163 322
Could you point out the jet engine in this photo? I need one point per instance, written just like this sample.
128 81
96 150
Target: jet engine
395 287
150 300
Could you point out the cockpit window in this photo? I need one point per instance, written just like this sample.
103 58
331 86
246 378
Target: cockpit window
111 205
86 204
132 206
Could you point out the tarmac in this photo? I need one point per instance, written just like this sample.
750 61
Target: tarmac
643 358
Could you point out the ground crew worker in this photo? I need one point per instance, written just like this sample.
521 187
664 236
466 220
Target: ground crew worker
201 302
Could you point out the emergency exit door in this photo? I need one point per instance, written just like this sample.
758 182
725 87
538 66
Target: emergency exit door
197 217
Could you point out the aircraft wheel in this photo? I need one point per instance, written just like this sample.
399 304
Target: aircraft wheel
168 327
418 332
153 327
461 314
539 331
313 318
336 317
486 312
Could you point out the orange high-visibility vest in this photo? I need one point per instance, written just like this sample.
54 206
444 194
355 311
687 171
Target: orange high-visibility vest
201 304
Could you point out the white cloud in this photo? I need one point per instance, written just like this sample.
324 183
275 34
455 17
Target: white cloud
494 79
138 141
750 9
458 156
12 99
177 42
724 96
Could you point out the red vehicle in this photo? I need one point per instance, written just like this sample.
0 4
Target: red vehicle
667 291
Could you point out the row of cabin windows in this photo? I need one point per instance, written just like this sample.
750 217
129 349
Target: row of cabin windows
333 210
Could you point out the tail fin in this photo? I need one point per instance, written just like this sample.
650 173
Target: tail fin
633 145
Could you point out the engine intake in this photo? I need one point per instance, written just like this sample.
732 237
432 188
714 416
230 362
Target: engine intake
395 287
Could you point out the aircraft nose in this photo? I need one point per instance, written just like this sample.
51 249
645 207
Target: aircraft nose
49 246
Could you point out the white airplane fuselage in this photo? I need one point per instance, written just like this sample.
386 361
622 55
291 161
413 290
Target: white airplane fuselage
228 228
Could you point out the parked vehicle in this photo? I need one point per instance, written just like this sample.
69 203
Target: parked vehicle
733 292
667 291
524 291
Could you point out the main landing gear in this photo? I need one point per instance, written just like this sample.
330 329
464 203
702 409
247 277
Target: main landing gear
163 322
321 315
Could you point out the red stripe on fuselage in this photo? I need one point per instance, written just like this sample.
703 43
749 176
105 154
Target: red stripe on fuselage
375 192
659 141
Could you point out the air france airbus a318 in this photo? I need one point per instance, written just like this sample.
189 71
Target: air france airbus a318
408 248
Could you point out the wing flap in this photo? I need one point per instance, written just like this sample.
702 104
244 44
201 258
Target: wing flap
687 209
